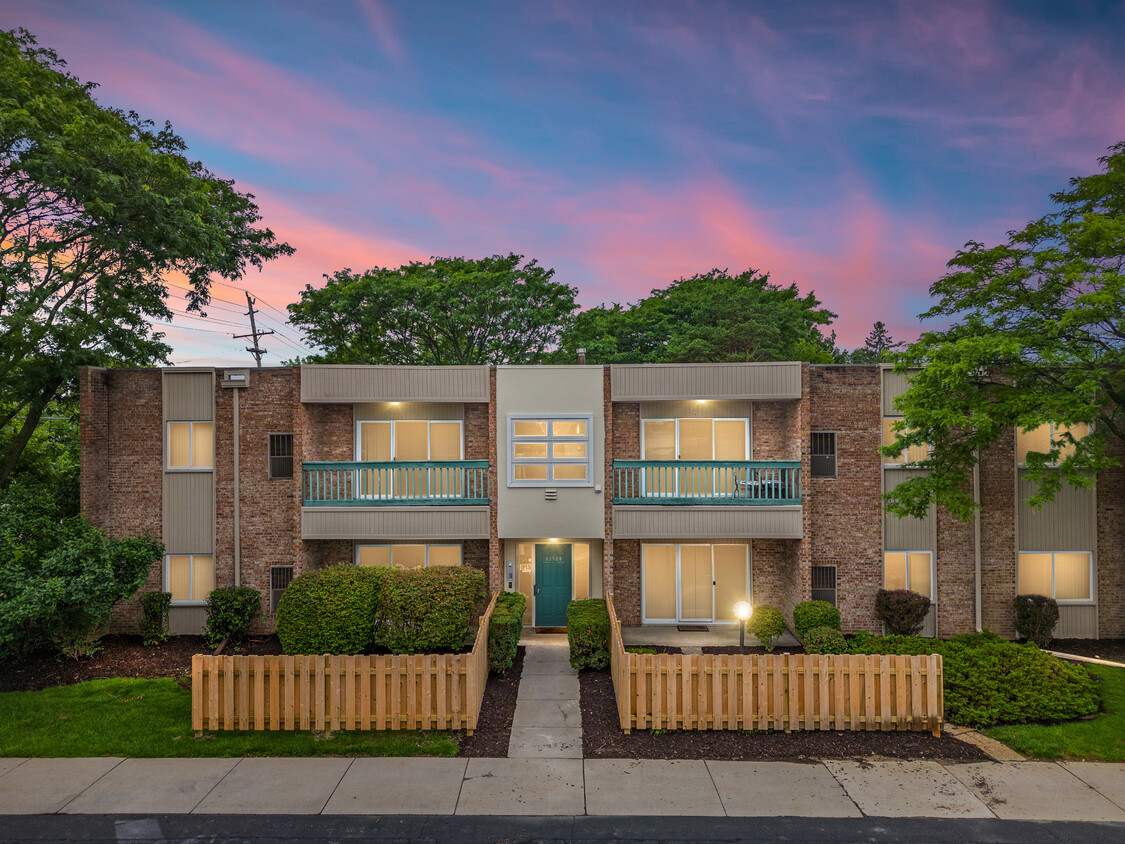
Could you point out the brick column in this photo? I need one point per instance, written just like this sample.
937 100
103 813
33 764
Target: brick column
93 426
495 564
607 485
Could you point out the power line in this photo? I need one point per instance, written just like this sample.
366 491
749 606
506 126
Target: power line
296 344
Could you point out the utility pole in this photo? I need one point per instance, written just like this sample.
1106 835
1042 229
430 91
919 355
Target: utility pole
255 350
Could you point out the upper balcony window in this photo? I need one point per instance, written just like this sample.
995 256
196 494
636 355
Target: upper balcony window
695 439
1040 439
914 454
420 440
550 451
191 445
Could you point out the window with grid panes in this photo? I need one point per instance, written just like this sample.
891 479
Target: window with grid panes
823 454
550 451
281 455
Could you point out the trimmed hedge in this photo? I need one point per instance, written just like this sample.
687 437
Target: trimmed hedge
989 680
230 609
810 614
902 611
824 640
767 624
330 611
1036 617
155 624
504 629
587 632
428 610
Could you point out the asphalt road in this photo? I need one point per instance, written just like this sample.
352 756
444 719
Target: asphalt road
199 829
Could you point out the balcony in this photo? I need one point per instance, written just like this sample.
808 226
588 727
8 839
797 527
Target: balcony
396 483
707 482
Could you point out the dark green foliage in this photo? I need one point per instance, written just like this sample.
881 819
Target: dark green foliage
447 311
155 624
230 609
330 611
824 640
767 625
504 629
712 317
640 649
587 632
810 614
989 680
1036 617
100 209
428 610
902 611
59 576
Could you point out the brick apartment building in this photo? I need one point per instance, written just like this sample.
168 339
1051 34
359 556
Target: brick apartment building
681 489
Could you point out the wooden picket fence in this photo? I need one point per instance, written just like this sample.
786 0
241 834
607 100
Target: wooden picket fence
774 691
329 693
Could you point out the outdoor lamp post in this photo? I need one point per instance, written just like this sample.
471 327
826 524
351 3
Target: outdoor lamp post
742 611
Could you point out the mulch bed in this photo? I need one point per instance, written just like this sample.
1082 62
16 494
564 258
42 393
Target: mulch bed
120 656
602 738
1111 649
494 727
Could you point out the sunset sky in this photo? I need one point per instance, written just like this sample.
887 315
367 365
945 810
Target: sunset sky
849 147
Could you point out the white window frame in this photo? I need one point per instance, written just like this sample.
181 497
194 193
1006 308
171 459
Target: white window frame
904 462
192 602
1069 601
1022 464
933 569
676 421
394 422
550 438
391 555
191 423
679 619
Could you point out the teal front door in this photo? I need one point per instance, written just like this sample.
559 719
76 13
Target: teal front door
552 585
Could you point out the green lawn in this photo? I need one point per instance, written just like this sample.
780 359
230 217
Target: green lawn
153 718
1101 739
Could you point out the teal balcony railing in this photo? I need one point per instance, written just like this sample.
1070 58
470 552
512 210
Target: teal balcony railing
366 484
680 482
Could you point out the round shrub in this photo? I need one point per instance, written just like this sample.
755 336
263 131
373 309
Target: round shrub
902 611
329 611
810 614
425 611
1036 617
824 640
767 625
230 609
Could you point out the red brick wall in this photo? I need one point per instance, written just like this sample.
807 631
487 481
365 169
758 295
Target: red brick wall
476 431
1111 547
774 430
775 575
627 580
495 566
329 432
956 575
321 553
134 481
997 536
474 554
845 512
93 441
607 482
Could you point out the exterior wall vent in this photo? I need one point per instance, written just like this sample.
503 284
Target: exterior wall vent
280 578
824 584
550 494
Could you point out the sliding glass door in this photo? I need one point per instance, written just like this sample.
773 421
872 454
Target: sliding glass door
693 583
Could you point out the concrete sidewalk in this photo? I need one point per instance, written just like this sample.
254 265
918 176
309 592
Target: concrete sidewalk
1041 791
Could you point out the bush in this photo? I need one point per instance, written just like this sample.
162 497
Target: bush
640 649
155 624
824 640
587 632
902 611
230 609
767 624
504 630
330 611
428 610
810 614
1036 617
989 680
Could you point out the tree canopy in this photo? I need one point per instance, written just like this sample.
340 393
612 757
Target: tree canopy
879 347
98 208
1037 336
712 317
447 311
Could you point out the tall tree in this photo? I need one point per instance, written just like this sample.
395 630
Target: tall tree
448 311
1037 335
713 317
877 348
98 208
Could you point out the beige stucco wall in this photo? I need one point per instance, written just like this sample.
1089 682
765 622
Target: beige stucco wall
578 512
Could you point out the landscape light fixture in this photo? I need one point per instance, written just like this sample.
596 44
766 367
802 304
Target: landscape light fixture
742 611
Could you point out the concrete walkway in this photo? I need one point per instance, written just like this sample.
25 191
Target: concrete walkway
548 720
1040 791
